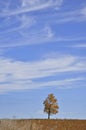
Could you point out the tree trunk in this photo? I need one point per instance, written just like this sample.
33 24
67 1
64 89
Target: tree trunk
49 114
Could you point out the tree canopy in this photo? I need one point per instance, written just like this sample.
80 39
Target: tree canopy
50 105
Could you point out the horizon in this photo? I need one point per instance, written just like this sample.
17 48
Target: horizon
42 51
41 119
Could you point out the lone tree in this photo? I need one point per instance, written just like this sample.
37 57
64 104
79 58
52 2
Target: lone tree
50 105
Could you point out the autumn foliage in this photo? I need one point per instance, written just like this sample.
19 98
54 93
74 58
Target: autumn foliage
50 105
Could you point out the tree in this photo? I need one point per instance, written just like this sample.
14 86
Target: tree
50 105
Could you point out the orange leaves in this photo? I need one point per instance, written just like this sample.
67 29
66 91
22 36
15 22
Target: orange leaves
50 105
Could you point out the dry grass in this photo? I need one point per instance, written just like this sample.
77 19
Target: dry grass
42 124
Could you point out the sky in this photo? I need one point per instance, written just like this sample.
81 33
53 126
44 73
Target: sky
42 51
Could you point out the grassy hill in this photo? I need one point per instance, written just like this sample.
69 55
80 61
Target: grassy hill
42 124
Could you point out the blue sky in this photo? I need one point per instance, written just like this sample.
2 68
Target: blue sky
42 51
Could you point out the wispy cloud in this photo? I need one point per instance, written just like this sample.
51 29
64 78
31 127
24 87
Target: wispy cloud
28 38
24 28
83 11
28 6
57 84
62 17
79 45
21 22
39 36
18 75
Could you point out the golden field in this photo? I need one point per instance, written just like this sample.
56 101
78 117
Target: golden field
42 124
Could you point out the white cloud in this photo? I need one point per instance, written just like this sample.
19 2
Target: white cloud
18 75
61 17
28 38
40 36
21 22
76 15
79 45
28 6
42 3
60 84
50 34
83 11
23 85
36 35
26 3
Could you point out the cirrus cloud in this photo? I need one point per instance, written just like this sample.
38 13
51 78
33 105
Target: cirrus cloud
19 75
